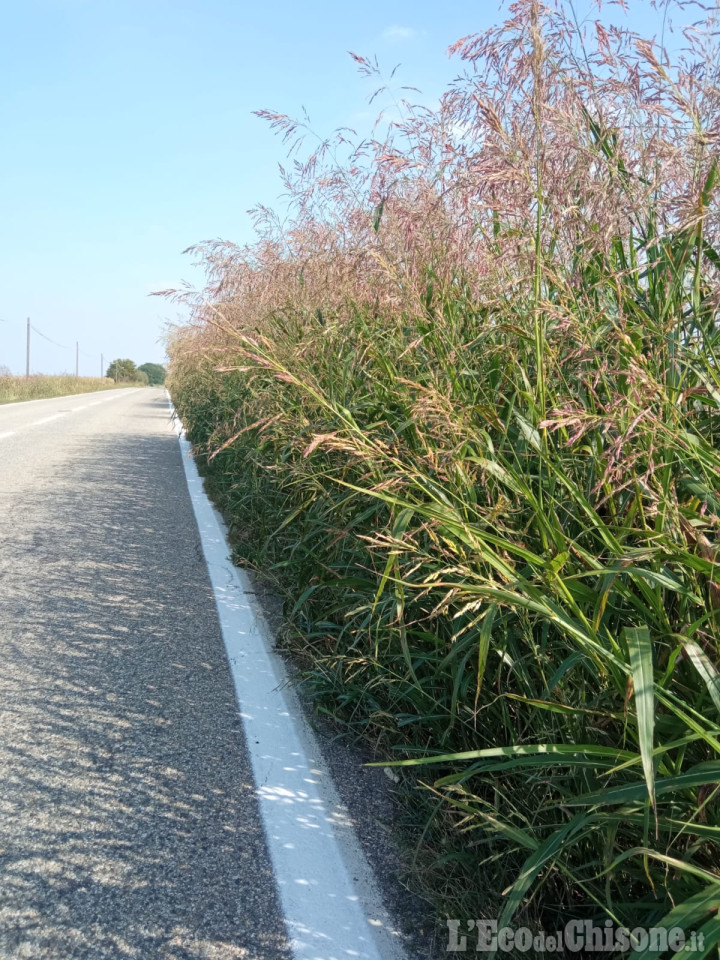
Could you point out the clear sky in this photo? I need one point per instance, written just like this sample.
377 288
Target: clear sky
128 135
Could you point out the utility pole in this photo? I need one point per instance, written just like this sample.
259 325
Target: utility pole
27 351
102 365
77 359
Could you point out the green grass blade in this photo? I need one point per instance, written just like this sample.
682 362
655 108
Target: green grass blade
640 650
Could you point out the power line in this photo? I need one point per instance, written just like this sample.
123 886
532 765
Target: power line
49 339
55 343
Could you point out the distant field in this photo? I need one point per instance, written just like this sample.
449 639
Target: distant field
14 389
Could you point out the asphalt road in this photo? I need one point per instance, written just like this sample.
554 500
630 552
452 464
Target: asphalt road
129 826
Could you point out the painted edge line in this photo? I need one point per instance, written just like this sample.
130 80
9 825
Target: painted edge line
54 416
63 413
331 906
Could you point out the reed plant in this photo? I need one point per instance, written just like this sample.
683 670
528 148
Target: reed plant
464 406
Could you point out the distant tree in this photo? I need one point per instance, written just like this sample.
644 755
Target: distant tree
5 371
155 373
121 371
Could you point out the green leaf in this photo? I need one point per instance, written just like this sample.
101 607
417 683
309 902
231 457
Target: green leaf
377 215
640 650
528 431
484 647
527 750
706 669
687 915
696 776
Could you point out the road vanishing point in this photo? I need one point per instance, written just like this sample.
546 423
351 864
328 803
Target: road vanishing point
160 795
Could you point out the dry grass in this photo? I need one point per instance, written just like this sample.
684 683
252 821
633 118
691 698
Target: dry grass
38 386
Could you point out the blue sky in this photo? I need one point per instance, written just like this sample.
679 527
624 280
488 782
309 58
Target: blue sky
128 135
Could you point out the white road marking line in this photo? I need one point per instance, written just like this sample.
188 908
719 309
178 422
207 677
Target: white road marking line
115 396
55 416
10 433
327 915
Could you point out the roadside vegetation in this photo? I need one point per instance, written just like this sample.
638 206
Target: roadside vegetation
463 405
120 373
38 386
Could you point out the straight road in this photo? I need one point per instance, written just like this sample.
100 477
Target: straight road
129 824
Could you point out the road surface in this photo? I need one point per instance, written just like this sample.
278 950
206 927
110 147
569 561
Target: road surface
129 825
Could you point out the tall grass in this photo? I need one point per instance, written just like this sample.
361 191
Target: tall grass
39 386
465 407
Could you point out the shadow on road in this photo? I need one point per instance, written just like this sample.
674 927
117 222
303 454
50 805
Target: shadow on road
128 825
